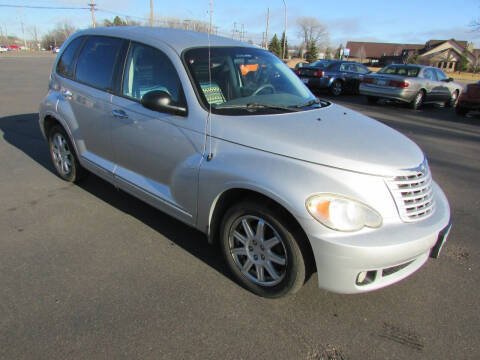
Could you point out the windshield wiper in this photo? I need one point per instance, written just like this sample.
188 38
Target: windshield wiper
255 106
312 102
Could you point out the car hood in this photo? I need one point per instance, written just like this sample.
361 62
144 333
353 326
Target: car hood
333 136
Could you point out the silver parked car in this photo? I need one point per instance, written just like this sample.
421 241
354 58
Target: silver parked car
226 138
412 84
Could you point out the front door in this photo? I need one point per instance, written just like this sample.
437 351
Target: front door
157 155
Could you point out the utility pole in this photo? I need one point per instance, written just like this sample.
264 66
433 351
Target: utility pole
285 30
151 12
243 32
92 10
266 31
234 30
23 30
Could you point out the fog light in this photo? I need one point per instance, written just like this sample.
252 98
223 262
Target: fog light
361 277
366 277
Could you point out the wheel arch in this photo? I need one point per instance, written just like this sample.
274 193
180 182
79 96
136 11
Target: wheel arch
49 121
233 195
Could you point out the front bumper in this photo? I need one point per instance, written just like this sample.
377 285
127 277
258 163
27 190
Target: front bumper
389 254
398 94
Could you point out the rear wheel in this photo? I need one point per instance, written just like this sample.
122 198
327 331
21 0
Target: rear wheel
418 100
63 155
336 88
453 99
372 100
261 250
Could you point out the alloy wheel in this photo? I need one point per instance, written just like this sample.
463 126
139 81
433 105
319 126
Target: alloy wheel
258 250
61 154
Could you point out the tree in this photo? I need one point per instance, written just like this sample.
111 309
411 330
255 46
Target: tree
286 45
118 21
328 53
411 57
275 46
312 31
58 35
312 52
462 63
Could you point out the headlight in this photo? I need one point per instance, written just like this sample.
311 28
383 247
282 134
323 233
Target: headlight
343 214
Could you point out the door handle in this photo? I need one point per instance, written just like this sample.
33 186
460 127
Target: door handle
67 94
119 114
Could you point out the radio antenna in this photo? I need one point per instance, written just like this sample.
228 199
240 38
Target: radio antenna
209 118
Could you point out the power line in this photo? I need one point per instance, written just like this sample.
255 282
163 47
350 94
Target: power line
43 7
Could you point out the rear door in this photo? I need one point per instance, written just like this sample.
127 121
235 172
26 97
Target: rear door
90 98
157 154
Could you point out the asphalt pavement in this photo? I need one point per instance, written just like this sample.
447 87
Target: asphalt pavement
89 272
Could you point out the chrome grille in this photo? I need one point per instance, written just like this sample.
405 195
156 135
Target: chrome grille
413 194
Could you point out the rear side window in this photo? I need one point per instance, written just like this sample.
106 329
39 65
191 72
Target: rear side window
96 62
148 69
66 63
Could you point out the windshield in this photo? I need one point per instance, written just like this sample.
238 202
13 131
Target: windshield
246 80
410 71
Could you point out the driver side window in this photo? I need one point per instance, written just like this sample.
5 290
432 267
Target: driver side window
148 69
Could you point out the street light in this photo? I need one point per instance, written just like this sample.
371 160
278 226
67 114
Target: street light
285 30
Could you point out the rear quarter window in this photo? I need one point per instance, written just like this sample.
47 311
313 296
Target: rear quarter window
96 62
66 64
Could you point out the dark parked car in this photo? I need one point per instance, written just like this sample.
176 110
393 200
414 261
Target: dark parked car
469 99
334 75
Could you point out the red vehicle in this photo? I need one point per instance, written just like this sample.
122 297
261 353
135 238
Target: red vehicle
14 47
469 99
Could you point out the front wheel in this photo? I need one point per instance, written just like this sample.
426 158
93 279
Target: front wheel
417 101
261 251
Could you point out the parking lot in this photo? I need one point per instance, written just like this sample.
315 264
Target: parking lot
89 272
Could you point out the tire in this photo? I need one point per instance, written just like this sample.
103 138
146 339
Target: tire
453 99
271 265
372 100
418 100
63 156
336 88
461 111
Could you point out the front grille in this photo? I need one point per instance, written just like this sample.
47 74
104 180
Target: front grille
413 194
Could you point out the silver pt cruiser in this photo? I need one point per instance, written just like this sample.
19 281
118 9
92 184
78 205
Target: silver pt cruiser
224 137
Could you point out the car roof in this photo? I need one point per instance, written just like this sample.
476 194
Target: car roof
177 39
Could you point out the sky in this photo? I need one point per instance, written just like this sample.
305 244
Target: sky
407 21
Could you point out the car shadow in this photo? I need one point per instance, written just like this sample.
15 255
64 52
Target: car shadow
23 132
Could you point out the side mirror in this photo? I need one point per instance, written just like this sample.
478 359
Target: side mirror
159 100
